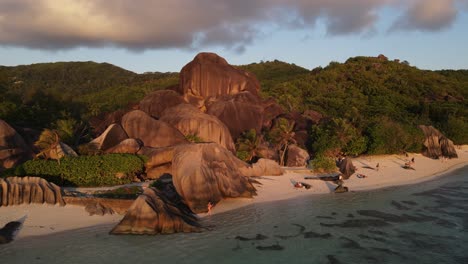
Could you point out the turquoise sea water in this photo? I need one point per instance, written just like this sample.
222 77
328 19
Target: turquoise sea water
423 223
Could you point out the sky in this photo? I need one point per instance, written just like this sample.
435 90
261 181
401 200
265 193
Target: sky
163 35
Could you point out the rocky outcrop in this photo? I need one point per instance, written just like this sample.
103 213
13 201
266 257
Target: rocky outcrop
239 112
263 167
26 190
209 75
297 157
346 167
207 173
266 151
7 233
111 137
191 121
341 189
156 102
436 144
271 110
159 162
100 206
156 212
13 149
129 145
98 209
101 123
153 133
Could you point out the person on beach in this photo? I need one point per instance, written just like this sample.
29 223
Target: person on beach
210 206
377 167
412 160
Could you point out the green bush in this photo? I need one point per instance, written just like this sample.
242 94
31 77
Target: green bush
323 163
243 155
194 138
99 170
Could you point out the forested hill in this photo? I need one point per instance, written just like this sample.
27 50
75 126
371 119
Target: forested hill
40 94
369 100
366 94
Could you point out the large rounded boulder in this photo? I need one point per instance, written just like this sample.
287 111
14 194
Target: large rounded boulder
297 157
239 112
207 173
112 136
209 75
13 148
153 133
191 121
436 145
156 102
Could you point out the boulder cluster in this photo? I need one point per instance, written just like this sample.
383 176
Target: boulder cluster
214 102
212 106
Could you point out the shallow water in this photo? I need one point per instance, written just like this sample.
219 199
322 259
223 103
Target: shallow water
423 223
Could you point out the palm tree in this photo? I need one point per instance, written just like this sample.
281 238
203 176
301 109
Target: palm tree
282 135
47 144
248 144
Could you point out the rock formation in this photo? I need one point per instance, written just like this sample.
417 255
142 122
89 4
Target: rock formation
100 205
113 135
209 75
207 173
263 167
153 133
239 112
101 123
26 190
98 209
191 121
346 167
8 231
156 102
156 212
271 110
436 144
159 162
129 145
297 157
13 148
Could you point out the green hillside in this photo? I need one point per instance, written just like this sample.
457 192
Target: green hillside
40 94
373 101
372 105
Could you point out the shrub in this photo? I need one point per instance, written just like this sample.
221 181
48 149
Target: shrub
99 170
322 163
130 193
194 138
387 137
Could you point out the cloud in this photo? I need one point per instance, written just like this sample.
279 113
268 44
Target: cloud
154 24
427 15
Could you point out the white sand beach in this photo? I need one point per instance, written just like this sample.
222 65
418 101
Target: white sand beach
390 173
46 219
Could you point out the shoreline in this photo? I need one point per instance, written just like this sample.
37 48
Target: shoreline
390 174
47 219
